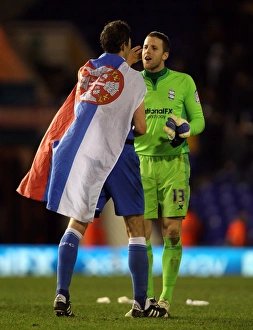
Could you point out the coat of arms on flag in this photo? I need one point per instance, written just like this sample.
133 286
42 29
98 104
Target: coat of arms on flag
99 86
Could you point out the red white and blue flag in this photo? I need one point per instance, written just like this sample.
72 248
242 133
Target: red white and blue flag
85 138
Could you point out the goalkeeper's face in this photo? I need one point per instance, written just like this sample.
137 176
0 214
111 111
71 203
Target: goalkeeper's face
153 55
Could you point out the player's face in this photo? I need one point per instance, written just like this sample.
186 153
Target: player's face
153 56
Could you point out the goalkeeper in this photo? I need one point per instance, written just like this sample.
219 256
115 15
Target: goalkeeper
173 113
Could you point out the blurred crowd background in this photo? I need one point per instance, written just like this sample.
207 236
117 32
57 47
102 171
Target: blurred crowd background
42 45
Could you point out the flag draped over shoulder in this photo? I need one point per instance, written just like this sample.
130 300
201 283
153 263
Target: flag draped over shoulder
85 138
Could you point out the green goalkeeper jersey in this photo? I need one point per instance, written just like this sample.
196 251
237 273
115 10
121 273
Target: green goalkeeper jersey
174 92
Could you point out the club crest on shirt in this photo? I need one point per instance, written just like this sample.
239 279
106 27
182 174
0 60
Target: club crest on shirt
197 96
171 94
99 86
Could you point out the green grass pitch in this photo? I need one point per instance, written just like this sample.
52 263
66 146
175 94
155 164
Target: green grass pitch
27 303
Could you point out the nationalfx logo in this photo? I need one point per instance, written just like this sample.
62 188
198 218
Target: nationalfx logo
163 111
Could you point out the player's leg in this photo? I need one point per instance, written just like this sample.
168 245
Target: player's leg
171 258
148 230
173 197
148 166
67 253
129 203
137 257
138 265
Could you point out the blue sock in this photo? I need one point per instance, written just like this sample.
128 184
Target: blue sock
67 254
138 265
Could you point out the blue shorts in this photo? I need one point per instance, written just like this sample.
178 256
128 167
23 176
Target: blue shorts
124 185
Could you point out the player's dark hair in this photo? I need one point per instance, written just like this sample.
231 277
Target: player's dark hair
114 34
165 39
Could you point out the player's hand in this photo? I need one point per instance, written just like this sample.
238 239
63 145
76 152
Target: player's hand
170 128
183 128
134 55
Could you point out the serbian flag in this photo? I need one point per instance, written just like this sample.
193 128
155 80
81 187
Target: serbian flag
85 138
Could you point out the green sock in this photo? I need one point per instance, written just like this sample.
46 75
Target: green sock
150 292
171 258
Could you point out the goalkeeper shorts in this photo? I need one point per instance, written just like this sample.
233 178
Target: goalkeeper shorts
165 181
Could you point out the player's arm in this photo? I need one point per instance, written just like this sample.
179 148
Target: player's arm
197 123
192 122
195 117
139 120
193 107
193 125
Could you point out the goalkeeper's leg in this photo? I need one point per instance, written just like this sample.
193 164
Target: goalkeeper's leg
148 231
150 291
171 258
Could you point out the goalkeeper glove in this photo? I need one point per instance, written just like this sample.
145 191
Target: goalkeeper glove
170 128
177 130
182 127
